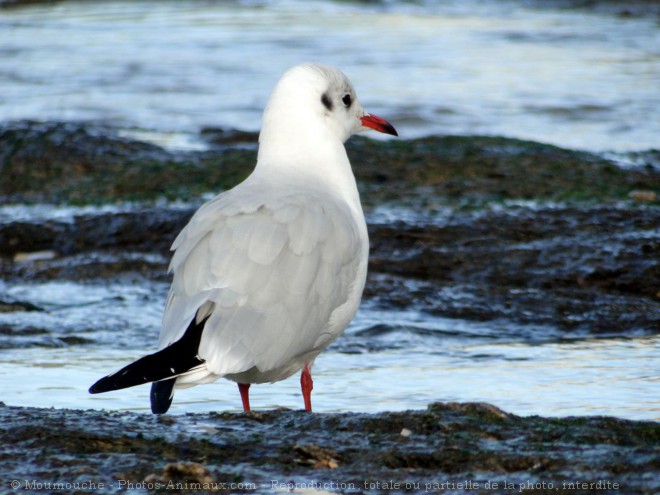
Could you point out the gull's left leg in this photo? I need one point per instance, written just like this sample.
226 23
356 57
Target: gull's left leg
307 384
244 389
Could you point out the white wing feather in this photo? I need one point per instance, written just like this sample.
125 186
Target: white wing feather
268 276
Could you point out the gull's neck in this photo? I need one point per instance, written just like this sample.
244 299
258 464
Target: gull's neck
308 152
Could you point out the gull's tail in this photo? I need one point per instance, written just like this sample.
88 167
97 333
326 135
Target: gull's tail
161 396
161 367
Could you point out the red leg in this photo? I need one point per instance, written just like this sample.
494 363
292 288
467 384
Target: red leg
307 384
244 389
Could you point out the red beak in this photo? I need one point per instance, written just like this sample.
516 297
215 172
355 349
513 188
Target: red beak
378 124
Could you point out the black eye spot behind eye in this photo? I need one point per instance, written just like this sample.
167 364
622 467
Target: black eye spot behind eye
327 102
347 100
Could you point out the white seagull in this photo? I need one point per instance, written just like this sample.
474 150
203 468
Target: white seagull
268 274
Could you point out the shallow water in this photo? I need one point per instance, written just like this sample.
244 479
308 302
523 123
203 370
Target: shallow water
162 70
574 78
387 360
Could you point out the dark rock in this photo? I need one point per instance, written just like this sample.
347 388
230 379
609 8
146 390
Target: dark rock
472 170
10 306
472 444
579 268
591 268
147 230
7 4
223 137
85 163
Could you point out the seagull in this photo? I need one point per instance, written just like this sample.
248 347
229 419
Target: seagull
268 274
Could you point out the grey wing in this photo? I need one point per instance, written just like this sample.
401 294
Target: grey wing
268 279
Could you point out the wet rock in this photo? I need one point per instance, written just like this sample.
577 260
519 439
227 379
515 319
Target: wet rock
316 456
14 336
16 237
483 410
573 267
6 4
589 264
101 246
185 477
24 336
85 163
453 443
632 8
10 306
438 170
222 137
580 268
146 230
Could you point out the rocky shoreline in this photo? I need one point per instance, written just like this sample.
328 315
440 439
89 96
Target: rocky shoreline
478 228
86 163
518 230
447 448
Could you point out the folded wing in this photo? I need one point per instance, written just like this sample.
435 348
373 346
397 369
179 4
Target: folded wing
267 278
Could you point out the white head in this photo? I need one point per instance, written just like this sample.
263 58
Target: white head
314 104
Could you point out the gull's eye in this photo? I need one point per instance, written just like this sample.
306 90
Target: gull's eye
346 99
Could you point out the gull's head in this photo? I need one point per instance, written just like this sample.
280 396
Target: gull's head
321 99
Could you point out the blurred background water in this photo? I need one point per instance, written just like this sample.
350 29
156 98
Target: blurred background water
162 70
576 78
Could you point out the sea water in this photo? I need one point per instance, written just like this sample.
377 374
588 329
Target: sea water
163 70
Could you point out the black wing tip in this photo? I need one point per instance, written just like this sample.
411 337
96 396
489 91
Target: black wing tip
107 385
164 365
114 381
101 386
